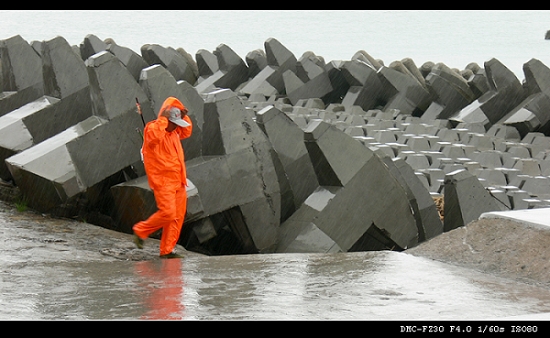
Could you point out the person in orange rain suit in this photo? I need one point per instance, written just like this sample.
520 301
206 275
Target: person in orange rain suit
165 167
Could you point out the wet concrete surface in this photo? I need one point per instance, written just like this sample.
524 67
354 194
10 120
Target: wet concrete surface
55 269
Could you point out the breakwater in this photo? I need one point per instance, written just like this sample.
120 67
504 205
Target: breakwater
288 154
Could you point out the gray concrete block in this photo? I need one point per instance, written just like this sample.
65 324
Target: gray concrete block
492 177
296 230
270 78
91 45
518 199
279 56
538 143
132 60
22 79
113 89
528 166
417 161
34 123
339 84
231 74
489 159
366 97
505 93
237 170
261 83
46 173
292 153
450 92
417 143
357 73
531 114
333 165
435 178
15 135
403 92
365 57
134 201
537 77
317 87
504 132
465 200
256 61
538 186
309 66
207 63
64 73
424 209
478 83
501 196
481 142
309 239
170 59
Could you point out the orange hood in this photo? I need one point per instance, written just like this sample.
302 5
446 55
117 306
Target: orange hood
171 102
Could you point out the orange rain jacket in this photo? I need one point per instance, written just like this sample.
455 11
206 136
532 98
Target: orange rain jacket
164 162
162 151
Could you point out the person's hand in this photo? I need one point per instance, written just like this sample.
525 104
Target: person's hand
165 113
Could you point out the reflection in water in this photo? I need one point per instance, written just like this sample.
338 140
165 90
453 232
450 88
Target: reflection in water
162 287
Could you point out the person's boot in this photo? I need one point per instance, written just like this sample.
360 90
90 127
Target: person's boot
172 254
138 241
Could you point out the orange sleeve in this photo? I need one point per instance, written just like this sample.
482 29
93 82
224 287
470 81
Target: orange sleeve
154 132
185 132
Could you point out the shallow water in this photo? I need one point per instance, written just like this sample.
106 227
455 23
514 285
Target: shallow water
55 269
357 286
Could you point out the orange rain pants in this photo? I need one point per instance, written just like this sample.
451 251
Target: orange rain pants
164 163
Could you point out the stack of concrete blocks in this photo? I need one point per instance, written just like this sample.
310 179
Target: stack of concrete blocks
269 80
231 71
350 209
311 80
532 113
433 148
65 103
76 167
178 63
286 154
451 92
505 93
364 85
403 90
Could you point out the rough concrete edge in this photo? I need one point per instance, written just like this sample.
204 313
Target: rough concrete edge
518 216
